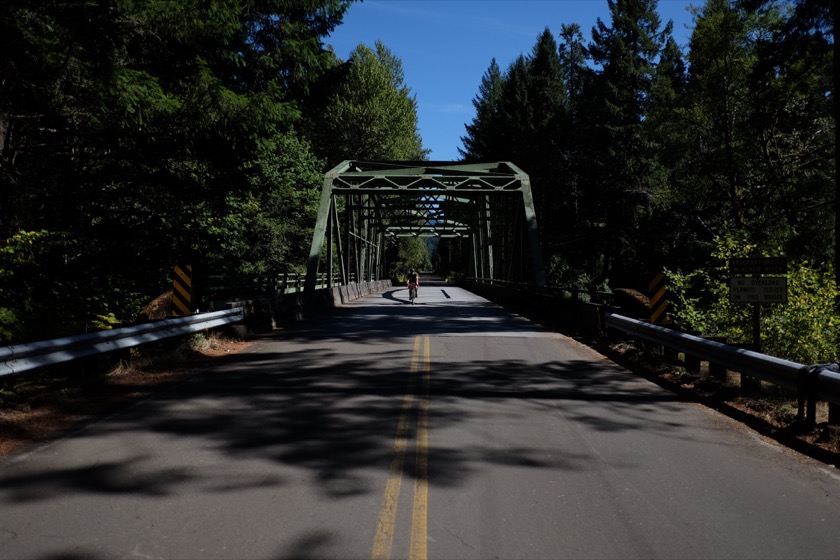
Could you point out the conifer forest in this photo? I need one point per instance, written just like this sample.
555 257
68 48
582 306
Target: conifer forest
138 134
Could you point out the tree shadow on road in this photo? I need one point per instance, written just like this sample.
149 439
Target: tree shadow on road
325 398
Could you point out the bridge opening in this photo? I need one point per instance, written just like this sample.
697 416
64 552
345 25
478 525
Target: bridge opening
486 210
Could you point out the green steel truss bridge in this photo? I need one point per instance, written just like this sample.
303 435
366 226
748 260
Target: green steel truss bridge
486 209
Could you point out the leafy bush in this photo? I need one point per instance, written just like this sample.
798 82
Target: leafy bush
806 329
9 325
412 253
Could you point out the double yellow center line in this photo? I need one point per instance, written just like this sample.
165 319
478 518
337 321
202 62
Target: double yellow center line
385 525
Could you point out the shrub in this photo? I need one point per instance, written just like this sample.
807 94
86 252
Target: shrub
805 329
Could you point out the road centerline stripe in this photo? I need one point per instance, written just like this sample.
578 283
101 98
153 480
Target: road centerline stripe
386 522
419 514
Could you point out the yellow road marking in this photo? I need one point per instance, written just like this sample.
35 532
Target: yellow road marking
417 549
385 524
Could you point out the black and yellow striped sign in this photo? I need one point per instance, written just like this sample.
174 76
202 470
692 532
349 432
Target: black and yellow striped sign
658 299
182 290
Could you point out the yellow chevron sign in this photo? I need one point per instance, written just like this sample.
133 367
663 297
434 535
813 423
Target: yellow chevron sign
658 299
182 290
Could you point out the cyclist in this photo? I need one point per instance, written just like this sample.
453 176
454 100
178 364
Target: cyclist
412 282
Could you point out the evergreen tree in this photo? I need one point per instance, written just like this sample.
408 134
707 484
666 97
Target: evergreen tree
573 63
481 141
373 114
515 114
569 250
792 88
543 158
620 157
135 135
667 126
719 58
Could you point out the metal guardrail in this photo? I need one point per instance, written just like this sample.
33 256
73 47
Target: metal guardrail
812 382
580 294
24 357
221 289
775 370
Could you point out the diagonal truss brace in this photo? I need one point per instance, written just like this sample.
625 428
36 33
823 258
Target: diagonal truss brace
422 198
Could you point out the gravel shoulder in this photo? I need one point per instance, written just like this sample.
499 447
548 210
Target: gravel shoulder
48 406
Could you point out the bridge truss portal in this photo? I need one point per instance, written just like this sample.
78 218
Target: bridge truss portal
486 208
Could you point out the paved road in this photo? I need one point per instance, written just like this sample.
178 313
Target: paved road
447 429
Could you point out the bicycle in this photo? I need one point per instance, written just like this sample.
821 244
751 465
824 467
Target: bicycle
412 293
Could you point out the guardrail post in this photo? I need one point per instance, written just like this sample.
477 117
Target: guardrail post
692 364
717 371
609 332
833 414
826 378
750 386
806 414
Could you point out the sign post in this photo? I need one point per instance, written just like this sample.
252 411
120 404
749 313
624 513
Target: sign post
758 280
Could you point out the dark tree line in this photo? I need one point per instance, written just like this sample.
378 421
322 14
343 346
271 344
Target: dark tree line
645 156
138 135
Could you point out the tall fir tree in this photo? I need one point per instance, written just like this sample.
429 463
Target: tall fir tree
792 82
667 126
515 112
543 158
137 134
480 143
571 246
620 157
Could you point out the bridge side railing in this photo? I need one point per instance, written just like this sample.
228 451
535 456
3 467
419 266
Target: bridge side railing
221 288
812 383
816 382
581 294
24 357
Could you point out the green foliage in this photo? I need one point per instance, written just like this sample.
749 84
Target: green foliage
702 296
139 134
372 115
9 324
51 294
412 253
562 275
104 322
266 227
485 132
806 329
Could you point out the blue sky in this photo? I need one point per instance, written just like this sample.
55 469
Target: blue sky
446 47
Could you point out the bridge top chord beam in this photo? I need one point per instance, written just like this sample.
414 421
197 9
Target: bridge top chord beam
428 199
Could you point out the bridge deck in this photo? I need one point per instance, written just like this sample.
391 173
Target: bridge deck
450 429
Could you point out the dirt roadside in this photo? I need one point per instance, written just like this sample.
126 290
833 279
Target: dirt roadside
772 413
54 406
51 406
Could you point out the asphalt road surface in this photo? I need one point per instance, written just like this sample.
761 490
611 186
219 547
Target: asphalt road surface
449 429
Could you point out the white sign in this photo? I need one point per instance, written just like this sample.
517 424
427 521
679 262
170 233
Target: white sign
764 289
